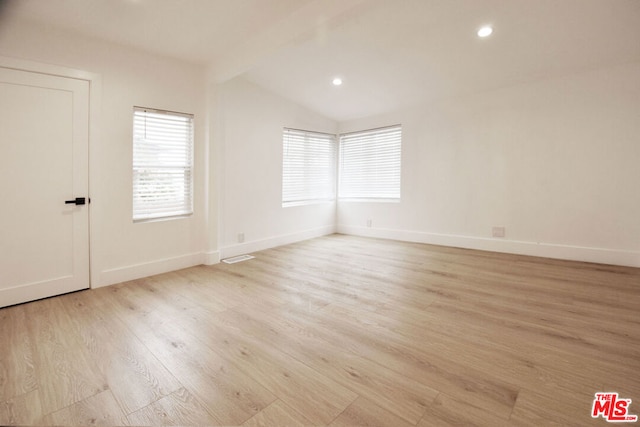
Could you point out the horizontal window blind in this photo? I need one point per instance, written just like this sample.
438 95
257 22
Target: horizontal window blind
308 166
370 164
162 164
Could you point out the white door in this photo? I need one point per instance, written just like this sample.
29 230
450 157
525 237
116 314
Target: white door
44 134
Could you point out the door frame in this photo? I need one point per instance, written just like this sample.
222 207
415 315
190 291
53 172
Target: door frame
95 101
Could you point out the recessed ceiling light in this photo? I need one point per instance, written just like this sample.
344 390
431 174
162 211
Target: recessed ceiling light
337 81
485 31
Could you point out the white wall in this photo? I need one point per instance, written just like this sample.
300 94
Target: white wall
556 162
249 137
120 249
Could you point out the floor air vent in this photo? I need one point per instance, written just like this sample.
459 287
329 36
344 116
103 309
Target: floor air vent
239 258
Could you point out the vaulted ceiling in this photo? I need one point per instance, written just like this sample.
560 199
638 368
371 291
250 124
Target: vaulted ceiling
390 53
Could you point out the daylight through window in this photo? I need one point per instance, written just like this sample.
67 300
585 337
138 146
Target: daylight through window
370 164
308 167
162 164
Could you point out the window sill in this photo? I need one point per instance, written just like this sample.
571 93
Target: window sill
368 200
307 202
162 218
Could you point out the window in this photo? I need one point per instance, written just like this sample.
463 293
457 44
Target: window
308 167
162 164
370 164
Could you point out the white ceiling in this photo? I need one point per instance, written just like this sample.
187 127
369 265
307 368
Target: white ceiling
390 53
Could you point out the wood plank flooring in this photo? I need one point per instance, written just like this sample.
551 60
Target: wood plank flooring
335 331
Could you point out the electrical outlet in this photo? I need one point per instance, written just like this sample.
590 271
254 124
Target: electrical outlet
369 222
240 237
498 231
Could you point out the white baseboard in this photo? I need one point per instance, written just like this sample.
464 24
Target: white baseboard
138 271
546 250
272 242
211 257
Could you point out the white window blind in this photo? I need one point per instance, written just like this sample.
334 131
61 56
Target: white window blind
162 164
370 164
308 167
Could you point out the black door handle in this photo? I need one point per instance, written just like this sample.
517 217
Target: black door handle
76 201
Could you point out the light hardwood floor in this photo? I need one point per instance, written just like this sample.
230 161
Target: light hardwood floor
332 331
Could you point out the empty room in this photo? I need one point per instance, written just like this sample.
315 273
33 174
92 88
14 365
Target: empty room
319 212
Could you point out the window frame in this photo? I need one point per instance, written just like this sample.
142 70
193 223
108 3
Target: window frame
178 161
306 195
383 160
